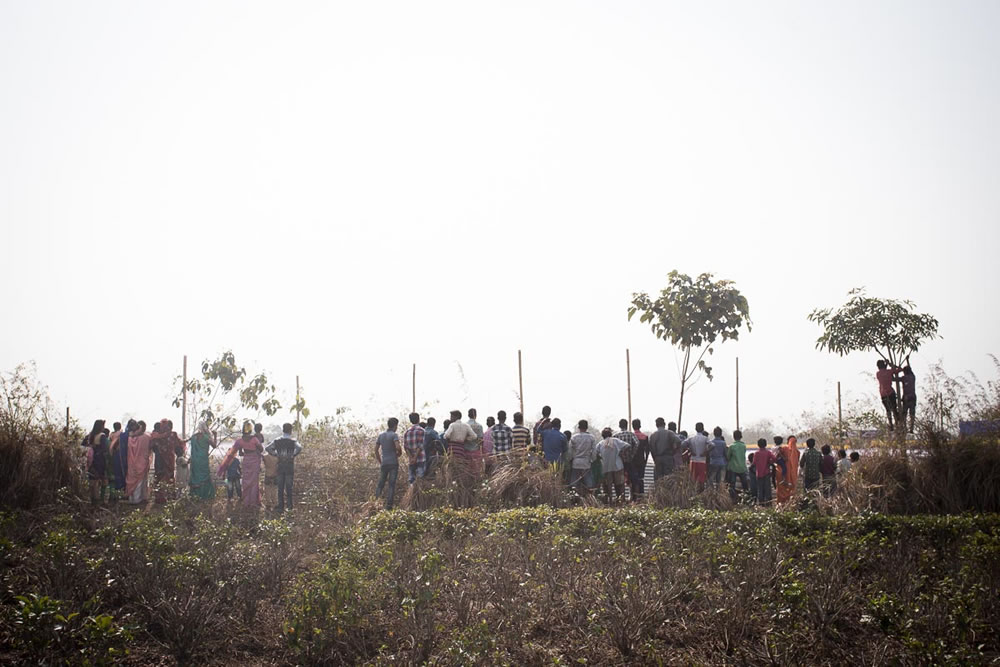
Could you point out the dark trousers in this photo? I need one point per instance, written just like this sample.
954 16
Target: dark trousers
662 466
763 490
744 483
284 490
387 473
637 479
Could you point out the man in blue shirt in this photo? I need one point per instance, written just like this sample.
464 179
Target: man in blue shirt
432 447
387 453
553 442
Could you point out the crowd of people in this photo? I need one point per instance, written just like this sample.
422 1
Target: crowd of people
118 464
610 461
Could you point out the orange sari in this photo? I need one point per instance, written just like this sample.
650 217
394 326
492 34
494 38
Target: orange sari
787 481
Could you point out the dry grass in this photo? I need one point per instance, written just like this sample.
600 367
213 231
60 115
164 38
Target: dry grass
520 483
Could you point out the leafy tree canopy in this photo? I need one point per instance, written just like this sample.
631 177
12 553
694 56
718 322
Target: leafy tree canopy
889 327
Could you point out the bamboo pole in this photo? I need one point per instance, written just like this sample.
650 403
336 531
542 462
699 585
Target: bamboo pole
840 414
520 382
298 408
67 420
737 393
184 400
414 388
628 382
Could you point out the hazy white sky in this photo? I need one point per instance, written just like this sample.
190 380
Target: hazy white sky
338 190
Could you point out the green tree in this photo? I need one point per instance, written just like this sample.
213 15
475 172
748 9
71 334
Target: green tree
225 388
693 314
888 327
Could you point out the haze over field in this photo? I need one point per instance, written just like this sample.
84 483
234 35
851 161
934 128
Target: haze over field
340 190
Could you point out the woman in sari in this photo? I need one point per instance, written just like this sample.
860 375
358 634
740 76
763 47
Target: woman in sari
789 477
201 482
137 481
252 450
119 460
97 472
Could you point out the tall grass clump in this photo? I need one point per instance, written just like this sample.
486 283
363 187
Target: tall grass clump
37 457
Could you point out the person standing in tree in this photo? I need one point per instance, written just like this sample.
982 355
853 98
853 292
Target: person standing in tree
909 416
885 376
387 453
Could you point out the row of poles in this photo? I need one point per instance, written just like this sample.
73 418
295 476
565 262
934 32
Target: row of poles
520 393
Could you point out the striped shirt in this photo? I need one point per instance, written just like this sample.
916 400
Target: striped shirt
520 437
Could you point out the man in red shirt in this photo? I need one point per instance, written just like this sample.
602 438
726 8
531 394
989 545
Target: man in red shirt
885 376
763 461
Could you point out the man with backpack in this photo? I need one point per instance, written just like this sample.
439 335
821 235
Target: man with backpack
285 449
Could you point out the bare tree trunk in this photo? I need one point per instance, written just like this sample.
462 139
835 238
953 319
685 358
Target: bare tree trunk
684 375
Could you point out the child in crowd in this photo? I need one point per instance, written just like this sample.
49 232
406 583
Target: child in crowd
234 480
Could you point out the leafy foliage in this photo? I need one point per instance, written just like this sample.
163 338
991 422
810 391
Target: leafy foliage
891 328
693 314
225 388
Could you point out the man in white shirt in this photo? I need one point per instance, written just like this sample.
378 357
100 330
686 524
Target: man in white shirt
612 465
698 446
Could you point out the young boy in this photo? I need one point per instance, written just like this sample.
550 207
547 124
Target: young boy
234 480
763 462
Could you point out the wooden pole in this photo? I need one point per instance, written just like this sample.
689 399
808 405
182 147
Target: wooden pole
520 382
298 408
840 414
628 383
737 393
67 420
184 400
414 388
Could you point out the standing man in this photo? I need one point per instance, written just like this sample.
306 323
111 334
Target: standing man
885 375
463 442
736 464
553 443
476 426
520 435
503 437
628 454
432 447
717 458
612 466
697 445
810 463
285 449
662 444
909 415
413 443
637 471
387 453
763 462
582 452
541 425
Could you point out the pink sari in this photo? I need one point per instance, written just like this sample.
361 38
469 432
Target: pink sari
138 462
252 459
